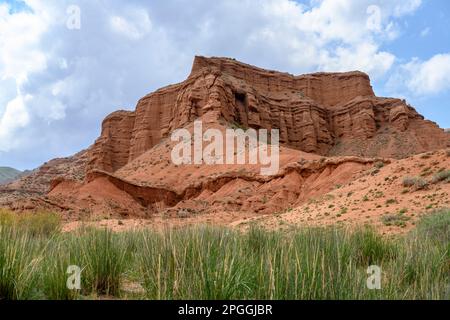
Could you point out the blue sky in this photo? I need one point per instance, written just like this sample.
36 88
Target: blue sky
57 84
425 34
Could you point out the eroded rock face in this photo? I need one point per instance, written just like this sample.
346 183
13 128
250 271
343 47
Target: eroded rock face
111 151
399 117
355 119
39 181
314 112
128 170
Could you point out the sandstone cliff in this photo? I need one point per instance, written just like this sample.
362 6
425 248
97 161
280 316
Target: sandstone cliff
323 113
333 130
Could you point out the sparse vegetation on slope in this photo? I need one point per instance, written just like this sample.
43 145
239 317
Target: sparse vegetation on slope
219 263
398 220
441 176
417 182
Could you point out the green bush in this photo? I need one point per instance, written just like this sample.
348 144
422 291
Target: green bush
391 201
379 164
398 220
441 176
417 182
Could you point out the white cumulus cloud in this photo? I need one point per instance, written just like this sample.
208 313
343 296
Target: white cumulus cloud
420 78
15 117
135 25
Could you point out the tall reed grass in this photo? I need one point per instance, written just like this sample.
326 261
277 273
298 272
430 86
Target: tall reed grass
205 262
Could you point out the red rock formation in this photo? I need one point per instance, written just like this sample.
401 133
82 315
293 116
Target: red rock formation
111 151
323 113
39 181
129 171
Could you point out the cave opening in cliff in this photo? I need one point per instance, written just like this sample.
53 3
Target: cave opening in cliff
240 97
242 108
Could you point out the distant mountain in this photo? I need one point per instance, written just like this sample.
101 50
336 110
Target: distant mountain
8 174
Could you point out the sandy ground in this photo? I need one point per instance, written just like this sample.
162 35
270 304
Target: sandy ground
377 193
